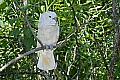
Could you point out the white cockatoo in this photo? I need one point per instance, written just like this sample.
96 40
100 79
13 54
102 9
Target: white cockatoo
48 33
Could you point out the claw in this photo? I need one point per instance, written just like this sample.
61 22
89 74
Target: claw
46 47
51 47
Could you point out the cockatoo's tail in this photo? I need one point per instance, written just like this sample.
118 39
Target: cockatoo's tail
46 60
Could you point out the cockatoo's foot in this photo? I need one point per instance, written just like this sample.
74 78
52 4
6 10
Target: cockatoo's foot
51 47
46 47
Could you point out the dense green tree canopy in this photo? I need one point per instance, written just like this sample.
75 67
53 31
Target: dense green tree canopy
87 53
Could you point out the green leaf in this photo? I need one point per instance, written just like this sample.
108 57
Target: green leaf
27 32
11 21
16 32
1 22
2 4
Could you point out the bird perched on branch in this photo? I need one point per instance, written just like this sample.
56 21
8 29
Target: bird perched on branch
48 33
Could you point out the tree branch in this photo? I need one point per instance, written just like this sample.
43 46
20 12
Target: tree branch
26 18
70 34
17 73
102 55
9 73
116 40
19 57
65 73
76 37
116 33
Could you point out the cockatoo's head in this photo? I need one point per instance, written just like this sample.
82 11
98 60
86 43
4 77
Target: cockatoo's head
48 18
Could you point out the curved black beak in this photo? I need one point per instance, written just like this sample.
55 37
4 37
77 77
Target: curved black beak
55 18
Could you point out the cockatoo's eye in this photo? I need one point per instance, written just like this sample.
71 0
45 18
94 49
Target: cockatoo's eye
49 16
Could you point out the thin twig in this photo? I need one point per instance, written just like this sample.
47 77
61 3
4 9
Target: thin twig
102 54
9 73
51 4
17 73
6 37
70 34
73 59
19 57
26 18
33 33
77 42
65 73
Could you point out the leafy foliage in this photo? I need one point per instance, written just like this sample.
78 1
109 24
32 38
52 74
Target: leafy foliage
16 38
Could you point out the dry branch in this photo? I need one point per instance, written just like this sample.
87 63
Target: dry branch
116 41
9 73
19 57
102 55
25 16
77 42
